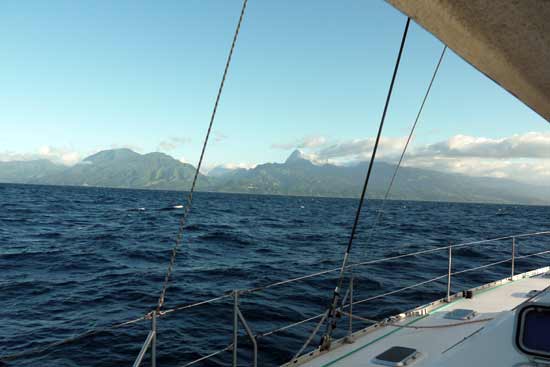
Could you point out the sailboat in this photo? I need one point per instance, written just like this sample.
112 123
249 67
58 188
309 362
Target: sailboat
503 323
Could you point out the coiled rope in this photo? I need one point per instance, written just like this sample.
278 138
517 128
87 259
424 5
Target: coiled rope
187 208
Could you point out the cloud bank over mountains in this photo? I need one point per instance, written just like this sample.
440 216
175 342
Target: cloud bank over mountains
60 155
529 145
56 155
522 157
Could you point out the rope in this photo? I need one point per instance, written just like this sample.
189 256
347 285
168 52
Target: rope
441 326
331 324
183 218
91 332
311 336
381 211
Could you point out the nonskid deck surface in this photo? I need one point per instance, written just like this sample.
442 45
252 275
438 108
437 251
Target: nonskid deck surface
483 343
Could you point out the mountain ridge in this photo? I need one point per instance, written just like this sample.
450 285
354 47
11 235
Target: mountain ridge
297 176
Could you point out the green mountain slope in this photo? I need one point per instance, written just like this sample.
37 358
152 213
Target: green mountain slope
28 171
127 169
298 176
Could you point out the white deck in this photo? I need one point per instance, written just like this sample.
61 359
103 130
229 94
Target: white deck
464 345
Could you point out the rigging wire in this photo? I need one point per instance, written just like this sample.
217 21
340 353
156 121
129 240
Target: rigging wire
183 218
331 320
387 194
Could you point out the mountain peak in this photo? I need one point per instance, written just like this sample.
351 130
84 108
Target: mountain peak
159 155
111 155
296 156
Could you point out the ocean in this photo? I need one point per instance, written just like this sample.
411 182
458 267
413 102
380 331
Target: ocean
74 259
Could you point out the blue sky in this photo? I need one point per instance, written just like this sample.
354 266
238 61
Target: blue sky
77 77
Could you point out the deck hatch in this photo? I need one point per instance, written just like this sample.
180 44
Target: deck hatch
397 356
460 314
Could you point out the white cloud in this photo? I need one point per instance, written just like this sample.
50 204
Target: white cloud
536 171
135 148
534 145
320 149
360 150
8 156
522 157
219 136
314 141
57 155
60 155
239 165
529 145
230 166
172 143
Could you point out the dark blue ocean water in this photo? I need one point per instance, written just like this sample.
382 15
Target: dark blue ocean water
77 258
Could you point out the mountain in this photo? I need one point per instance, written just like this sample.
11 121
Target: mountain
113 155
297 157
28 171
299 176
221 170
124 168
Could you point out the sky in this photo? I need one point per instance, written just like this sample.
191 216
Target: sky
80 77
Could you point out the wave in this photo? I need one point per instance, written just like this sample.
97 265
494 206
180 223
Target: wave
225 238
136 209
469 252
198 227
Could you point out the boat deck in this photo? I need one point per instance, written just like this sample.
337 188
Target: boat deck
438 338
